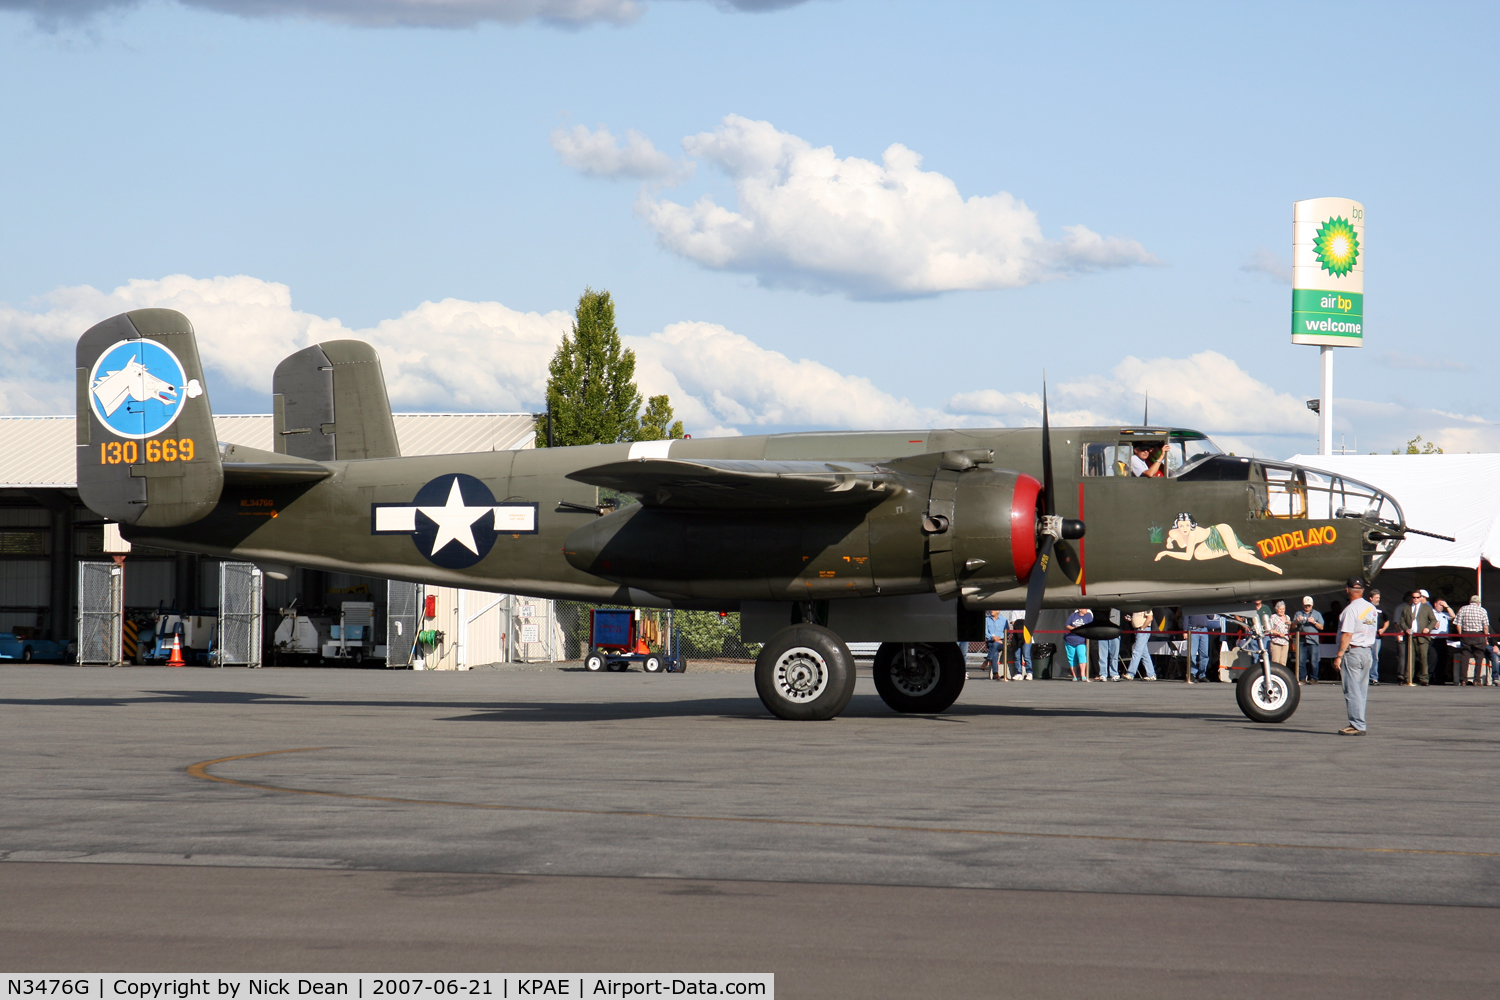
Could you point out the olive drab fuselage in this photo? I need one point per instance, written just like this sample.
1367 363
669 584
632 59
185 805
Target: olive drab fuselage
1219 533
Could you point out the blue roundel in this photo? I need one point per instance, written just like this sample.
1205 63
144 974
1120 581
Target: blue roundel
138 388
455 520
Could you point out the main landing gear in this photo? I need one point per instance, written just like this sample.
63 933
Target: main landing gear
806 672
919 677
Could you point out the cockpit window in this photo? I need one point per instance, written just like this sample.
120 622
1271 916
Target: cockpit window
1192 448
1184 450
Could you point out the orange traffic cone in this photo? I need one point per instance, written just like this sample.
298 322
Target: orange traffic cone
176 660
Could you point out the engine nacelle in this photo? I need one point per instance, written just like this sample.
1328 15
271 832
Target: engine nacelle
958 528
993 534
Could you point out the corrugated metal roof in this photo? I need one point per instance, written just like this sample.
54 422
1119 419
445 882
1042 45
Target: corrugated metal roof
39 451
253 430
453 433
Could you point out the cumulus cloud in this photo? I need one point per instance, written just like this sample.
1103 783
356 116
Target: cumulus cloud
805 217
246 325
598 153
720 382
1270 264
1211 393
724 379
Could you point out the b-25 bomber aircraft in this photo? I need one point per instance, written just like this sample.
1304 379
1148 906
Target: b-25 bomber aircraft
817 539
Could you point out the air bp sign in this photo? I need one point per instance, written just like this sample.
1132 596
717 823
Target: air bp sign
138 388
1328 272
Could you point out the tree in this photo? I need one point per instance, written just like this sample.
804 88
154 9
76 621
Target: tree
591 391
1411 448
656 422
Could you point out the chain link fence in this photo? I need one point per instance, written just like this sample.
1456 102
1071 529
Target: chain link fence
240 614
705 635
100 612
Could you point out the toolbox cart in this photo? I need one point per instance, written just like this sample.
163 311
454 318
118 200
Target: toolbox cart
618 638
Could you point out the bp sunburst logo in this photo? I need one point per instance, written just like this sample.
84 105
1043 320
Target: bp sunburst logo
1336 246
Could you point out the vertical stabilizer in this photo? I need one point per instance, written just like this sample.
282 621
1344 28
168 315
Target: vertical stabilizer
147 452
329 402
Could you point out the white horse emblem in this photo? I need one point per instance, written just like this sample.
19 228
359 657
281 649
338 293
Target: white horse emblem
132 382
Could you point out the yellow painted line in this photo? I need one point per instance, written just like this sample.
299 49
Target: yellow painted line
200 770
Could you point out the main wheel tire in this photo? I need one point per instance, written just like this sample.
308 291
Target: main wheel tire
805 673
593 663
923 678
1261 704
26 655
652 665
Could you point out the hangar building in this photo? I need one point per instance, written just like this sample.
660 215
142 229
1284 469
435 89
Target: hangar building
45 531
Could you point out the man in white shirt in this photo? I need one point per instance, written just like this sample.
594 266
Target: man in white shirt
1357 625
1141 463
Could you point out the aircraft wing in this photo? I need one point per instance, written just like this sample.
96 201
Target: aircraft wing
731 484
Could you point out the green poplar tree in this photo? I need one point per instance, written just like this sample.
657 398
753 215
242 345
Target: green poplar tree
657 423
591 390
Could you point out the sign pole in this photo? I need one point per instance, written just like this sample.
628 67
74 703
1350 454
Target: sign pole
1325 402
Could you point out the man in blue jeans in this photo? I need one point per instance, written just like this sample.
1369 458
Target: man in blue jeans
1308 623
1077 645
1109 652
1141 623
1352 661
1022 647
1201 635
994 645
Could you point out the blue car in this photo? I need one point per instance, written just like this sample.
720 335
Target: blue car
22 646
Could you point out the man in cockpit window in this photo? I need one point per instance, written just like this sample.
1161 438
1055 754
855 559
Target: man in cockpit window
1141 461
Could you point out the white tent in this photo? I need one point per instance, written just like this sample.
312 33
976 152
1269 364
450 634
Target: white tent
1456 495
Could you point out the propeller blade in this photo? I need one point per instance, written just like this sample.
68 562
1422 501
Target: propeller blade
1048 501
1037 586
1068 561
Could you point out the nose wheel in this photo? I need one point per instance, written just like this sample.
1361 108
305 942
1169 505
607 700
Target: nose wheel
1264 701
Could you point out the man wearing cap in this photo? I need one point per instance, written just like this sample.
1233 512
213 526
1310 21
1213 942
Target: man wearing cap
1414 623
1308 623
1356 640
1146 459
1473 625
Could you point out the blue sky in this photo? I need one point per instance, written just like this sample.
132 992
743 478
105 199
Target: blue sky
337 176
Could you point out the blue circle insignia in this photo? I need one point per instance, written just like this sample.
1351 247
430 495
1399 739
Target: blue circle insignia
138 388
455 521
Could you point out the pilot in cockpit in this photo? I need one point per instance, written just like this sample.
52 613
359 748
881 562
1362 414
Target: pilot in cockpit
1142 462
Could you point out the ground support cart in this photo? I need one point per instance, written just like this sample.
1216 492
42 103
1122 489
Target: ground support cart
620 637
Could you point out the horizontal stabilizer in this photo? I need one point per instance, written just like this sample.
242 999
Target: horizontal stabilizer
252 467
728 484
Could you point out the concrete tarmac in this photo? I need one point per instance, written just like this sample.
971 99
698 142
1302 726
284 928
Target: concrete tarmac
1041 839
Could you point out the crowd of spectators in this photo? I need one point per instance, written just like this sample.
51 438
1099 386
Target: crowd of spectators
1427 643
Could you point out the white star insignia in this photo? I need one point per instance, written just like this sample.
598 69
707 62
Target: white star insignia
455 522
